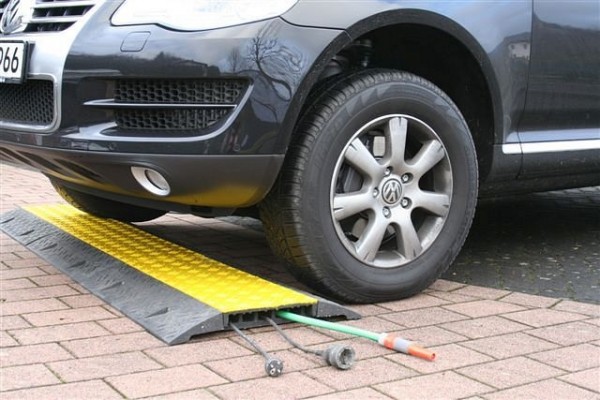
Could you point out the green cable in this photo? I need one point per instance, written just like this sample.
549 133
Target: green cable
329 325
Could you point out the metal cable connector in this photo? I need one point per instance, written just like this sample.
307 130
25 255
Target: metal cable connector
338 356
273 365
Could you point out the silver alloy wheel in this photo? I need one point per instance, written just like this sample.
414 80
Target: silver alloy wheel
391 191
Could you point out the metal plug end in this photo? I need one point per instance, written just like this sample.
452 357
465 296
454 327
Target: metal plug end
274 367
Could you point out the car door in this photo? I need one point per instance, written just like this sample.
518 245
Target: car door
562 110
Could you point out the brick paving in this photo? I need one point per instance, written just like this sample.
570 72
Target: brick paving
57 341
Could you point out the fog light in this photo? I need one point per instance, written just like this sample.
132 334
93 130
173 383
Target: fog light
151 180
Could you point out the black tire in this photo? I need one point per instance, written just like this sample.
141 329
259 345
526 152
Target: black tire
395 245
105 208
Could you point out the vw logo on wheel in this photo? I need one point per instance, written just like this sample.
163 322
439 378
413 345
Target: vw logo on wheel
392 191
17 14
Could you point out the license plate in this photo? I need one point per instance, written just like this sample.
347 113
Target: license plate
13 61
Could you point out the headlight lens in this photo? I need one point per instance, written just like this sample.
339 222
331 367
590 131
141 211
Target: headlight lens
196 15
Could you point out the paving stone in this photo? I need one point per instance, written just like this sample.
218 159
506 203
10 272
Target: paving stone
431 336
30 306
50 270
362 394
40 353
252 367
27 376
10 247
574 358
112 344
415 302
286 386
6 340
592 310
112 310
543 317
509 345
588 379
169 380
120 325
79 288
11 322
200 352
483 308
367 310
443 285
568 334
82 301
593 321
363 373
52 280
96 390
68 316
510 372
529 300
103 366
450 356
199 394
447 385
423 317
8 256
37 293
483 327
14 284
453 297
551 389
25 263
59 333
482 292
20 273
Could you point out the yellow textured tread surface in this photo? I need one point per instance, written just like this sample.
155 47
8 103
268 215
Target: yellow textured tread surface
209 281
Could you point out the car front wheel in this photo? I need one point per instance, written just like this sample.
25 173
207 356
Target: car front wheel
378 189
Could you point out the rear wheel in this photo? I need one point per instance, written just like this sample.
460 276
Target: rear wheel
105 208
378 189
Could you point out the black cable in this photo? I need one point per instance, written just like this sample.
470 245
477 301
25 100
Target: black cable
338 356
292 341
273 365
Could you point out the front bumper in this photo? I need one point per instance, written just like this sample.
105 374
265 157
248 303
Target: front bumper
95 137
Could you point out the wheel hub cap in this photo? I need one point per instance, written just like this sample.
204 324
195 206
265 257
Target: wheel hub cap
392 192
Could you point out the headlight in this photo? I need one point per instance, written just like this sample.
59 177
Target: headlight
196 15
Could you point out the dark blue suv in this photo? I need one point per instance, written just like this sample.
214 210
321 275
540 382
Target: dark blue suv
361 132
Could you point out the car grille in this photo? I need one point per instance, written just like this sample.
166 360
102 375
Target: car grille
180 91
54 15
29 103
175 104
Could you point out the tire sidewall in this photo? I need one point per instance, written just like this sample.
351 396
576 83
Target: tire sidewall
366 104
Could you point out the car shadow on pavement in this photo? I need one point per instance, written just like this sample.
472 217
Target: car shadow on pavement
545 244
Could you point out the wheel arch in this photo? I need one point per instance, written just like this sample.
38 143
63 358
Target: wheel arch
479 100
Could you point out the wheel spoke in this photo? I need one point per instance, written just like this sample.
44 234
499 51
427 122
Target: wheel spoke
369 243
430 154
348 204
436 203
359 156
396 142
408 240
